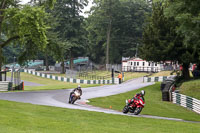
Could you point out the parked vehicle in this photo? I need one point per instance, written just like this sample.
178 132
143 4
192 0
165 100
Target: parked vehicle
134 105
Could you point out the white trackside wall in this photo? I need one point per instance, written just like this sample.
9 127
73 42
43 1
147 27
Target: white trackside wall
186 101
140 65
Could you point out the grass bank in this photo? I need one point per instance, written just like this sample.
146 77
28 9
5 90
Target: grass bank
161 73
28 118
48 84
154 104
107 75
132 75
191 88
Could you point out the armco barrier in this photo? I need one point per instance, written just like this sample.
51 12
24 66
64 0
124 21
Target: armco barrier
72 80
186 101
155 79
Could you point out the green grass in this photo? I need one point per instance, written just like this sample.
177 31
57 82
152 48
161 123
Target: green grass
191 88
161 73
167 73
132 75
49 84
28 118
154 104
107 74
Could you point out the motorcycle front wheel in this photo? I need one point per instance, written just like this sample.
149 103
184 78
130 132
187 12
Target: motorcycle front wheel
125 109
73 100
137 110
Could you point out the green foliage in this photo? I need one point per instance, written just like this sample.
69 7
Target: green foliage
187 13
45 3
173 34
11 51
27 23
127 18
160 40
23 25
30 28
69 29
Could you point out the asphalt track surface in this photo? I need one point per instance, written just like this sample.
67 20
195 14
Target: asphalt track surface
26 83
59 98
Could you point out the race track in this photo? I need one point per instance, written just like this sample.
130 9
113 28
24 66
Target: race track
59 98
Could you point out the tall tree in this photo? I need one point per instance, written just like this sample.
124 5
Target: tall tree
162 42
69 26
24 24
187 14
115 26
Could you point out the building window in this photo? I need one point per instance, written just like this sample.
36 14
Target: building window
131 63
155 64
149 64
143 63
137 63
134 63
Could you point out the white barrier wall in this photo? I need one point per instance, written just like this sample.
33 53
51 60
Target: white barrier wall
72 80
186 101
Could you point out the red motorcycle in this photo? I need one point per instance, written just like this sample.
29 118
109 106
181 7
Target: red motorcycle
134 105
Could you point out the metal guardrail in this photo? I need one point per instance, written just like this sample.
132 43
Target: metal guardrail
186 101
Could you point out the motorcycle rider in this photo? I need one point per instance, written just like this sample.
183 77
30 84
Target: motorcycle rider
138 96
76 89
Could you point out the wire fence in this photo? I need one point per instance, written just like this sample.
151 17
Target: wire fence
16 80
95 75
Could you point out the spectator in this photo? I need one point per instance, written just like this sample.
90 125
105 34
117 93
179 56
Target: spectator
120 78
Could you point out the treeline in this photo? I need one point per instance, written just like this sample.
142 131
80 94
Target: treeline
112 29
173 33
55 30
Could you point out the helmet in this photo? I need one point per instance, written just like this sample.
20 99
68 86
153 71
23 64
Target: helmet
142 92
79 87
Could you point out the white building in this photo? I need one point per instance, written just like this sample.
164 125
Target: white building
140 65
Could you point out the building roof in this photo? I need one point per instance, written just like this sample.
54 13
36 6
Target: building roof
133 59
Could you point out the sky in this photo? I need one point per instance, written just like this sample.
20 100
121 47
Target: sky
24 1
86 8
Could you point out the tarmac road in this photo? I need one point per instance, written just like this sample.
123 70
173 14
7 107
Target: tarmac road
59 98
26 83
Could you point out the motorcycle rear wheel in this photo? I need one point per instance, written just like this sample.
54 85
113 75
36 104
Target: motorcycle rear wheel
125 109
137 110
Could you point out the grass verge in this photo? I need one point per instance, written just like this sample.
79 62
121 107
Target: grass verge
107 75
132 75
154 104
161 73
48 84
191 88
28 118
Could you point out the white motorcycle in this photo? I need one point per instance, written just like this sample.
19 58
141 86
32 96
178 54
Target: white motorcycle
75 96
